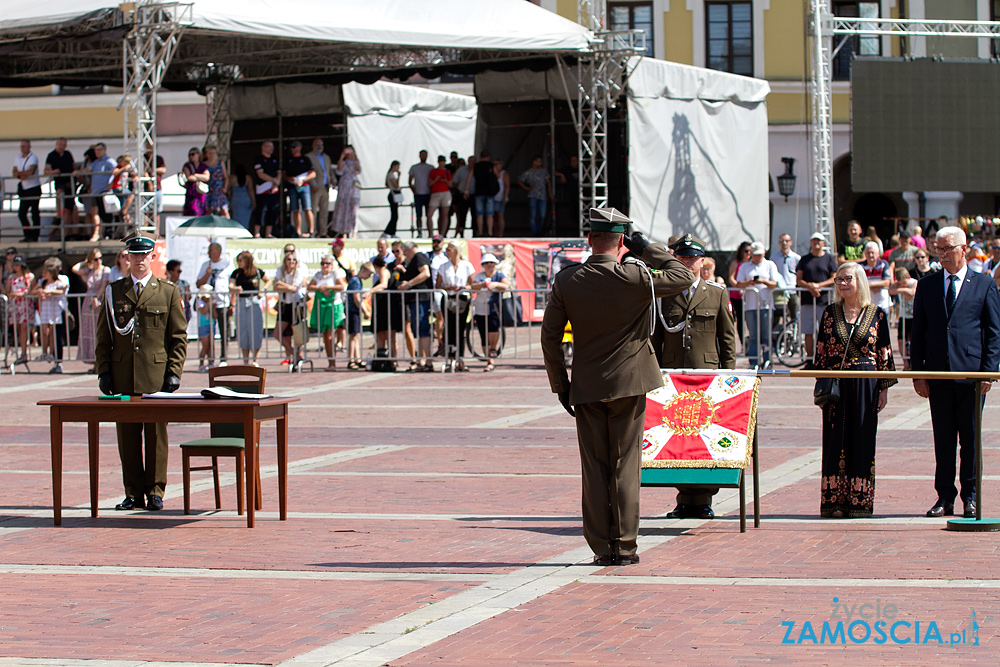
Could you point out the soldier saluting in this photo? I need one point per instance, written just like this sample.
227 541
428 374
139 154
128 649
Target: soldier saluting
141 347
700 333
609 304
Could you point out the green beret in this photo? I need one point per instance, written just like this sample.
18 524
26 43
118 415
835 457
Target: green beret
608 220
688 246
139 245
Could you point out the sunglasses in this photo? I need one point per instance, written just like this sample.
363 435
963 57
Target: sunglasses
325 263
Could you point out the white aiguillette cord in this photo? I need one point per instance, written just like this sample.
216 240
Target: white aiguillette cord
654 305
110 311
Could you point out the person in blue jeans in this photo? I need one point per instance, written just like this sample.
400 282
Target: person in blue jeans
758 278
298 176
539 186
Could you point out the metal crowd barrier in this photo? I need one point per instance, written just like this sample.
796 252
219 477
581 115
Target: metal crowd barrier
49 206
786 345
458 323
455 324
25 330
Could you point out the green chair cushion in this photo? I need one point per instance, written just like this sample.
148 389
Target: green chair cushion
220 443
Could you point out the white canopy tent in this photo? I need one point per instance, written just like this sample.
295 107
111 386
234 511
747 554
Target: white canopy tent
388 121
698 154
697 146
277 39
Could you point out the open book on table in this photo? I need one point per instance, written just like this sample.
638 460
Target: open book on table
211 392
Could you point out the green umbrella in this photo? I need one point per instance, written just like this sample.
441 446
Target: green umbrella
213 227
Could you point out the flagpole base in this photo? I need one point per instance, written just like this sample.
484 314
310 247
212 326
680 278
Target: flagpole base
974 525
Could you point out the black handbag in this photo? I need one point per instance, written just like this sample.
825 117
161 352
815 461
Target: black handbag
827 390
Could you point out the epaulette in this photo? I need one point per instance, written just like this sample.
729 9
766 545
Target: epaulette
632 259
715 284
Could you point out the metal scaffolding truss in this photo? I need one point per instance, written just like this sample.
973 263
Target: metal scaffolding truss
823 28
913 27
601 76
148 49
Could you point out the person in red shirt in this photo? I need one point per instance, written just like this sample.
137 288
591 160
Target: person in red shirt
440 182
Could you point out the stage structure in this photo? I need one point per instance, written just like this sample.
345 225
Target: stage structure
824 29
202 45
696 144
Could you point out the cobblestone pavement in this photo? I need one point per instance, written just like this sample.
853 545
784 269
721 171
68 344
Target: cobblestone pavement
434 519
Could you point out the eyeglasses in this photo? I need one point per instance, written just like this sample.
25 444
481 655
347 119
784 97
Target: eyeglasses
844 280
946 248
920 257
325 263
396 251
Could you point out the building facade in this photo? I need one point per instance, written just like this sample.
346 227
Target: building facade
767 39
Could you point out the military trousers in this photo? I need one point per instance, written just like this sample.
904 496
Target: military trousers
149 478
609 435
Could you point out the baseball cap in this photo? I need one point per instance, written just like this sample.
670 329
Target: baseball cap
437 237
337 243
487 258
817 236
756 248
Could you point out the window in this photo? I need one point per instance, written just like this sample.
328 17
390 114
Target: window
730 37
853 45
633 16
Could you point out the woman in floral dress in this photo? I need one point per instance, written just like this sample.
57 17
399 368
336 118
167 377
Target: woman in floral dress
22 306
194 172
345 215
850 425
216 201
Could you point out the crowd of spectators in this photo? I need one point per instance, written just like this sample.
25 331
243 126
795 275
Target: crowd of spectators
105 187
788 285
446 192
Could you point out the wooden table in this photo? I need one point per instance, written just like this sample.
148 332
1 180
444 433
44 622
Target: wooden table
93 411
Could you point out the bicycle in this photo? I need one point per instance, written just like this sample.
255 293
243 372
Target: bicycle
790 346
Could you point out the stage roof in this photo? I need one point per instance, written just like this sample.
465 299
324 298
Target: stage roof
79 42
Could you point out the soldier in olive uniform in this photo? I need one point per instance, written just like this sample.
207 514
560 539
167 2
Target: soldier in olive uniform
614 365
141 347
701 333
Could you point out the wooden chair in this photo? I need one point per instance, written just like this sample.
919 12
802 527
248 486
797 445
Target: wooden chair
226 439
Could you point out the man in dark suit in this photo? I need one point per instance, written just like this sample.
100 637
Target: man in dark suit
700 333
614 365
956 327
141 347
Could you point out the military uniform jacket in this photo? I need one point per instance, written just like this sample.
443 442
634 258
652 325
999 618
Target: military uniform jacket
608 304
138 362
701 329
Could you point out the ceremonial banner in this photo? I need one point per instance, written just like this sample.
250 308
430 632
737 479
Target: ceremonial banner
700 421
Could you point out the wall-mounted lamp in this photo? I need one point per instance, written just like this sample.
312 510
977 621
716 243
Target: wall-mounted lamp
786 182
